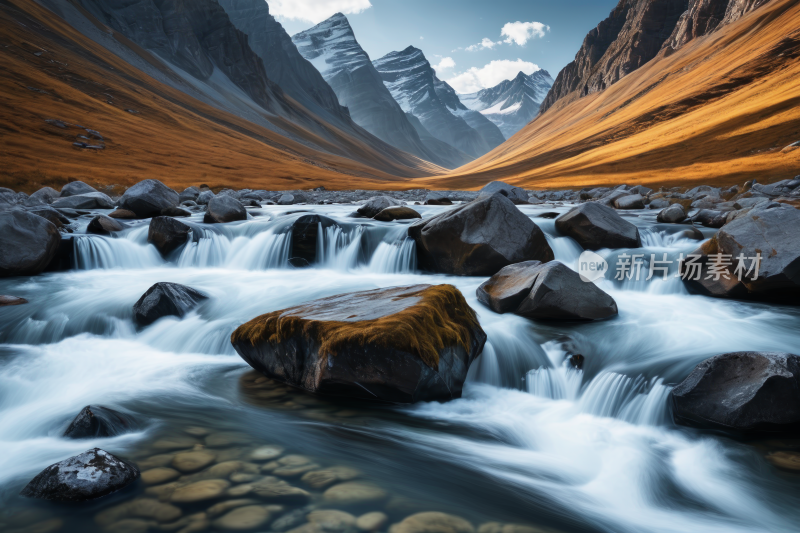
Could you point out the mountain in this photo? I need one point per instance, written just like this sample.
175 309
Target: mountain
412 82
632 35
487 129
331 47
511 104
721 109
215 119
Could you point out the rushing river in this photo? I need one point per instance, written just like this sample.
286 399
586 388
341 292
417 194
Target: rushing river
533 440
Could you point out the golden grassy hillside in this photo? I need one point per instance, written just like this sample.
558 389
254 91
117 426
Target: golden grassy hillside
720 110
50 71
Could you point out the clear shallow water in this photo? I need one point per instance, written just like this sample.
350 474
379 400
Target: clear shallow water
532 441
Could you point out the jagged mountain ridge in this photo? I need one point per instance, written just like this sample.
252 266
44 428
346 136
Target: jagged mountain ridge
412 83
331 47
511 104
487 129
633 34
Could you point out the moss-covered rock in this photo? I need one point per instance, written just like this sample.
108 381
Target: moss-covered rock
402 344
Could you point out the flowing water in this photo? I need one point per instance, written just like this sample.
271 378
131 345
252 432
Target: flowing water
533 441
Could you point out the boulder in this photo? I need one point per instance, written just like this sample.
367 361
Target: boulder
291 199
47 195
224 208
550 291
166 299
751 393
204 197
103 225
175 211
437 198
517 195
27 243
189 193
432 522
47 212
397 213
6 301
93 474
96 421
659 203
479 238
401 344
148 197
167 234
8 199
710 218
672 214
76 188
376 204
596 226
122 214
631 201
305 237
92 200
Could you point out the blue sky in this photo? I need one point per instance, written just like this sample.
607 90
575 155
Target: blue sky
485 41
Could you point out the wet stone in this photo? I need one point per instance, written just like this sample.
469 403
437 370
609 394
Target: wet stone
159 475
220 440
175 443
200 491
244 518
224 507
193 461
431 522
266 453
785 460
319 479
373 521
145 508
354 493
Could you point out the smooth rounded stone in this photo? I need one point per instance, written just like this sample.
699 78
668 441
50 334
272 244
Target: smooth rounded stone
155 461
225 506
146 508
27 243
166 299
148 197
175 211
175 443
223 209
6 301
220 440
189 194
225 469
437 198
294 460
270 466
319 479
275 490
660 203
75 188
691 233
376 204
332 520
396 213
710 218
93 474
432 522
53 215
92 200
159 475
374 521
204 197
595 226
632 201
188 462
672 214
785 460
97 421
167 234
241 477
550 291
208 489
478 238
515 194
354 492
122 214
244 518
374 359
47 195
104 225
266 453
751 393
294 471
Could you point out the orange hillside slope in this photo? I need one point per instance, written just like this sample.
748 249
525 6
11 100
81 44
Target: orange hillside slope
50 71
719 110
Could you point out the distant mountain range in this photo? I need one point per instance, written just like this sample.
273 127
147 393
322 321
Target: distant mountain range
511 104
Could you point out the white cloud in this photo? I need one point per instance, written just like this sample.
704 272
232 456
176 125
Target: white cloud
522 32
445 64
485 43
315 11
490 75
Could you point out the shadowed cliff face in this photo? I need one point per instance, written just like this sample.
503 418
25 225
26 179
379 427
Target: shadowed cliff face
632 35
194 35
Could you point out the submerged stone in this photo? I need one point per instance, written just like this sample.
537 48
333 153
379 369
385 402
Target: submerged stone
166 299
98 421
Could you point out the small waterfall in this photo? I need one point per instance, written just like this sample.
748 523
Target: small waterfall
398 257
262 251
338 248
107 252
634 400
565 249
562 383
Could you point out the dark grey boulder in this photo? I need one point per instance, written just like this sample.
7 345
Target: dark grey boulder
479 238
751 393
292 198
27 243
167 234
672 214
8 301
437 198
549 291
376 204
175 211
516 194
397 213
93 474
97 421
189 193
204 197
92 200
166 299
631 201
595 226
659 203
399 344
305 238
710 218
122 214
76 188
148 197
103 225
224 208
47 195
51 214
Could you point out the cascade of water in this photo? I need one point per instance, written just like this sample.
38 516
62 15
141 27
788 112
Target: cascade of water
95 252
338 248
396 254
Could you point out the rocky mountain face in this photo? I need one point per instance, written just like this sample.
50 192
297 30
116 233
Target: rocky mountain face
512 103
331 47
488 130
632 35
412 82
196 36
